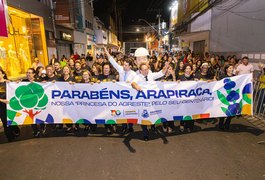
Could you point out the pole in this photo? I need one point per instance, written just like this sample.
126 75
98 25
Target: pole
53 18
159 29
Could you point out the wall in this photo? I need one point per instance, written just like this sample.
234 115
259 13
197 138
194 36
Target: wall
102 36
89 17
239 29
202 23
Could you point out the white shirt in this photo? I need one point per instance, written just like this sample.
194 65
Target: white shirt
244 69
124 76
152 76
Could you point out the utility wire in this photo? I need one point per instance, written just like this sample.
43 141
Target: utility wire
243 16
253 11
247 17
226 5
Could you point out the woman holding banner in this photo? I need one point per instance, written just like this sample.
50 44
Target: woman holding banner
224 124
206 74
107 76
86 79
30 77
10 131
125 75
187 76
169 76
68 77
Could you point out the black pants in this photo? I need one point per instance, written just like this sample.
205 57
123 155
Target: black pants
226 124
125 126
145 130
93 127
10 131
187 124
109 126
35 128
71 125
168 124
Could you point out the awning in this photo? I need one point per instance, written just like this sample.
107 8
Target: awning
195 36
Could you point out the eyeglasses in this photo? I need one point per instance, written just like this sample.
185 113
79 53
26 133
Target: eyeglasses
29 72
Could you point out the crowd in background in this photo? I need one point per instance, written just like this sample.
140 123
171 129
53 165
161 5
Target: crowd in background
176 66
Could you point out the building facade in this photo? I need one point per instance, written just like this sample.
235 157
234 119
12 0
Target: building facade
27 27
74 18
222 27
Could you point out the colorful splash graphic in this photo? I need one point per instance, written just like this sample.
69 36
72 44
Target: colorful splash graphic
233 103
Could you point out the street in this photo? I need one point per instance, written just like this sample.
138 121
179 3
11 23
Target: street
203 154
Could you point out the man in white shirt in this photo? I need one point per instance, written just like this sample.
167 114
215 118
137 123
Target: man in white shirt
125 72
147 75
125 75
245 67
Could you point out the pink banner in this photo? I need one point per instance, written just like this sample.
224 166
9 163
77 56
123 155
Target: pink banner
3 29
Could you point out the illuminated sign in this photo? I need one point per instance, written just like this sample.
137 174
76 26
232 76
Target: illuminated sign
66 36
174 14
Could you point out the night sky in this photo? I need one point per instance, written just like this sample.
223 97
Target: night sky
132 10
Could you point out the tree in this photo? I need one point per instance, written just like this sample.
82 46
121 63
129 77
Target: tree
29 98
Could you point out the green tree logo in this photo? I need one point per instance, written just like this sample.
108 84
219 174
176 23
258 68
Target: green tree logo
29 98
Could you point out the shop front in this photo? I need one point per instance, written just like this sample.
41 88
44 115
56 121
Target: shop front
197 42
64 45
25 41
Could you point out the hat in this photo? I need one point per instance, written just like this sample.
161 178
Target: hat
205 64
141 52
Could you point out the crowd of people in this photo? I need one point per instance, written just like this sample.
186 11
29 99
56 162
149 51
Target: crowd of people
115 66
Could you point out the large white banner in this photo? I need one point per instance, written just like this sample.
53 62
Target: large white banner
115 103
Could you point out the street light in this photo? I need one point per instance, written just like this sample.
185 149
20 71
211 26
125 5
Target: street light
173 5
148 39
